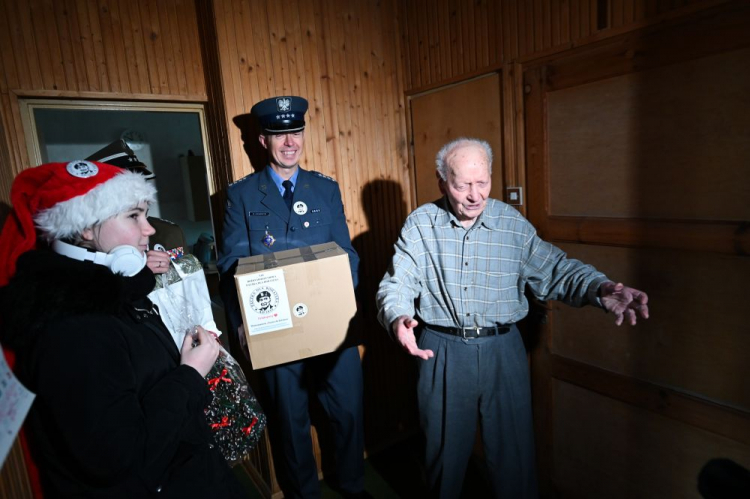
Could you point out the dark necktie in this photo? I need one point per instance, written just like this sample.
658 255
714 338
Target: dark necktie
287 193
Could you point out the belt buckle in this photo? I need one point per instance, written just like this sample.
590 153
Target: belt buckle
464 329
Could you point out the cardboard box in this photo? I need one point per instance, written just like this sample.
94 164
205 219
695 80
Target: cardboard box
296 303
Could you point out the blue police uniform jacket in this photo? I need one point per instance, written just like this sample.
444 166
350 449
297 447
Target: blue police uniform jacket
256 212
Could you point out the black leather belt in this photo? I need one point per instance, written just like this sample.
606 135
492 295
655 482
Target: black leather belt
470 332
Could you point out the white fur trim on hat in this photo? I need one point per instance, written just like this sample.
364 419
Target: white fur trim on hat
119 194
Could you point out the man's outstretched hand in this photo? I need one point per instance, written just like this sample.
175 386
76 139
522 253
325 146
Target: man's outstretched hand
403 329
626 303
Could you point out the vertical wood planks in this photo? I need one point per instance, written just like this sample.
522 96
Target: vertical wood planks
109 49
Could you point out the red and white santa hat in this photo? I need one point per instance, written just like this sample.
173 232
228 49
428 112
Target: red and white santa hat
60 200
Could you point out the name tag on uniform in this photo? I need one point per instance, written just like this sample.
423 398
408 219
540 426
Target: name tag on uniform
315 210
258 213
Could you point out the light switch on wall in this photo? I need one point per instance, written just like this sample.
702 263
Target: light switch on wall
514 196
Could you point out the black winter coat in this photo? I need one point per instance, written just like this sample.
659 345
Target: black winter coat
115 413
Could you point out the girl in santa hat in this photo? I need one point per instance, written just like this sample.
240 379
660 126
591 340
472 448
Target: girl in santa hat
118 410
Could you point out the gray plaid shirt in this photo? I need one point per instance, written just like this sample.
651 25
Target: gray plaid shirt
458 277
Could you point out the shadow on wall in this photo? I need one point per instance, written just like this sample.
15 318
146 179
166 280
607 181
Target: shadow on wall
389 374
250 129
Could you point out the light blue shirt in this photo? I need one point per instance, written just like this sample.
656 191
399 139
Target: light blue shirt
278 180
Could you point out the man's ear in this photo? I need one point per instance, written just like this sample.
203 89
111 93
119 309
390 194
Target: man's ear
441 183
88 234
262 140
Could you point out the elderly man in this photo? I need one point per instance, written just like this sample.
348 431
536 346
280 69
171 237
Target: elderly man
283 207
461 265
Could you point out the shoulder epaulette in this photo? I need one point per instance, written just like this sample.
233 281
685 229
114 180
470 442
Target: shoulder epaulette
242 179
318 174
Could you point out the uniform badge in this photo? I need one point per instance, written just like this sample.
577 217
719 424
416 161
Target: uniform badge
268 240
82 169
283 104
300 208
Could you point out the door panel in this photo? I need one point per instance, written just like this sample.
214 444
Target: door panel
637 162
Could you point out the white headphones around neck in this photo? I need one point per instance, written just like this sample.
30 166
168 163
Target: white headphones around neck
125 260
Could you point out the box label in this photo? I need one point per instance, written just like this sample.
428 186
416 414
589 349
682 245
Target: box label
267 304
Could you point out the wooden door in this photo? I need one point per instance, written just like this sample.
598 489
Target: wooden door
638 161
468 109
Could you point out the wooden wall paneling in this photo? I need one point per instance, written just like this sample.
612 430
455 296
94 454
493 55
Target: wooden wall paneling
706 354
169 11
667 94
483 35
116 48
155 82
140 59
275 20
156 39
668 402
312 71
622 451
23 17
423 41
52 34
564 22
335 154
555 23
63 16
433 37
93 82
100 55
191 47
170 51
108 47
575 21
128 54
363 129
442 15
248 62
345 43
725 237
39 38
457 42
17 73
412 44
662 361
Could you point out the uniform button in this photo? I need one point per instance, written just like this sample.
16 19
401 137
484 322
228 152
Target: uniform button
466 289
468 314
293 229
466 263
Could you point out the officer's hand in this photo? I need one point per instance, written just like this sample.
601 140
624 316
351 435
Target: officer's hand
626 303
403 330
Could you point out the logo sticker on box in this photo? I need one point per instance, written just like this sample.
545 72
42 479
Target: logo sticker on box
267 303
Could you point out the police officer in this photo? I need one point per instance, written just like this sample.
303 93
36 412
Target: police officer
283 207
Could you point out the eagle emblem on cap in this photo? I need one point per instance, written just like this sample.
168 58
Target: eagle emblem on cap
283 104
